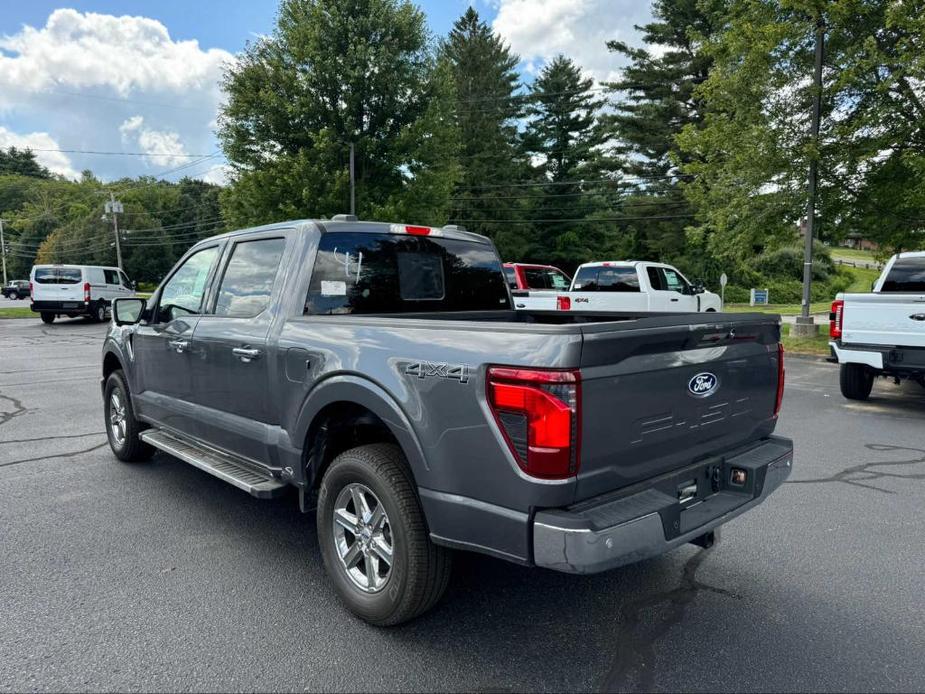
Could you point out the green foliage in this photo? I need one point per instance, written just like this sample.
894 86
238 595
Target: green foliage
751 153
21 162
60 221
484 81
562 134
336 72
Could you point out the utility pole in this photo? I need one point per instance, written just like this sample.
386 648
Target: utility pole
3 252
114 207
353 206
804 324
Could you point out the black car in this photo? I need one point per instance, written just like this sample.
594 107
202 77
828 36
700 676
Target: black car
17 289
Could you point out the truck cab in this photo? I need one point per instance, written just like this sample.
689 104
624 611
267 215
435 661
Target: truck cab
535 287
637 286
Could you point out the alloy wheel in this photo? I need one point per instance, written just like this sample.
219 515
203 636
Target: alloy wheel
363 537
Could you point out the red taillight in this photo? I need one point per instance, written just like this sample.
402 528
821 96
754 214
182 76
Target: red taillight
563 303
780 379
86 292
538 412
836 319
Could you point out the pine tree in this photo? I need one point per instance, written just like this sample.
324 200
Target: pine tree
21 162
562 134
654 99
487 108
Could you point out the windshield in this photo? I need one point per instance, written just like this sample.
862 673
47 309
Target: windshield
57 275
391 273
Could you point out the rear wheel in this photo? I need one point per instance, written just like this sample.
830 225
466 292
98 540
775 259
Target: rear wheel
48 318
856 381
99 312
14 295
374 540
122 429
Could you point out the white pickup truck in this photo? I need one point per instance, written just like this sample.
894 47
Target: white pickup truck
881 333
634 286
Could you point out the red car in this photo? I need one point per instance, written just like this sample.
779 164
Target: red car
544 282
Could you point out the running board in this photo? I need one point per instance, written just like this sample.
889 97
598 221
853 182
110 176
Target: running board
221 465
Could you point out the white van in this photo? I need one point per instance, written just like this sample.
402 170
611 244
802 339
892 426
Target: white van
76 290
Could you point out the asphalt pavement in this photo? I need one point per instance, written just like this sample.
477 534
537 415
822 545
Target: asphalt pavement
159 577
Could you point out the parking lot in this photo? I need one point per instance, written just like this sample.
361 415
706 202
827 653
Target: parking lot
159 577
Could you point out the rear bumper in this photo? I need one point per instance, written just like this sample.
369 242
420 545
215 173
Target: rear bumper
616 530
68 307
864 355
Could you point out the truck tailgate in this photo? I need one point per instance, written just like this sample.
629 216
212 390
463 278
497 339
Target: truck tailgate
661 393
884 319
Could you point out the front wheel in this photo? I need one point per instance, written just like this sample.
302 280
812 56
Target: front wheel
374 540
856 381
122 429
14 296
48 318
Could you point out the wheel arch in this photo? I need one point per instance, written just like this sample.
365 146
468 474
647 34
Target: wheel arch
346 411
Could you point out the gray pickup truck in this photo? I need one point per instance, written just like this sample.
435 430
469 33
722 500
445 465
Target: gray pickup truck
381 370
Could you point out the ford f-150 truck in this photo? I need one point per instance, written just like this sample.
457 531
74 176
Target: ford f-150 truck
881 333
382 371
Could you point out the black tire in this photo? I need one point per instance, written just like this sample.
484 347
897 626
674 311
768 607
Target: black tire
856 381
99 312
14 296
132 449
420 570
48 318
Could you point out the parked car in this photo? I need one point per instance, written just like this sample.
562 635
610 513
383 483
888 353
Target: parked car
535 287
881 333
77 290
381 370
17 289
636 286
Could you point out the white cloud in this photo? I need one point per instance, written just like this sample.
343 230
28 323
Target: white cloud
163 147
88 50
83 76
537 30
56 162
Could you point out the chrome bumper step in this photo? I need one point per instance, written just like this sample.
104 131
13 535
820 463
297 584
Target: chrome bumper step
216 463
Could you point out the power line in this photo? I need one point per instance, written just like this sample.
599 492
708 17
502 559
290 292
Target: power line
572 221
586 182
115 154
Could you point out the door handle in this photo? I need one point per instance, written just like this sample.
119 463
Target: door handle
179 345
246 354
674 300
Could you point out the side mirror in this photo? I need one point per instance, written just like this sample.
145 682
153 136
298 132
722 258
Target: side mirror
697 287
134 285
127 311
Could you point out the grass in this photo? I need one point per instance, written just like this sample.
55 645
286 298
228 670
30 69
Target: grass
817 346
782 309
864 278
852 254
18 312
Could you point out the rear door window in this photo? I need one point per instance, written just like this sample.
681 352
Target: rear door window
249 277
57 275
906 275
586 279
618 279
365 273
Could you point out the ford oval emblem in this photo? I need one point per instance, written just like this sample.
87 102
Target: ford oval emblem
703 384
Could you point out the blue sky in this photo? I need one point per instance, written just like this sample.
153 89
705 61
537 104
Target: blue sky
142 76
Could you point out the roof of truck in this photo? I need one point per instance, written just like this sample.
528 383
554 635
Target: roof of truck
348 224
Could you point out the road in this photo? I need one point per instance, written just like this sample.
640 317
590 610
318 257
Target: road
159 577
